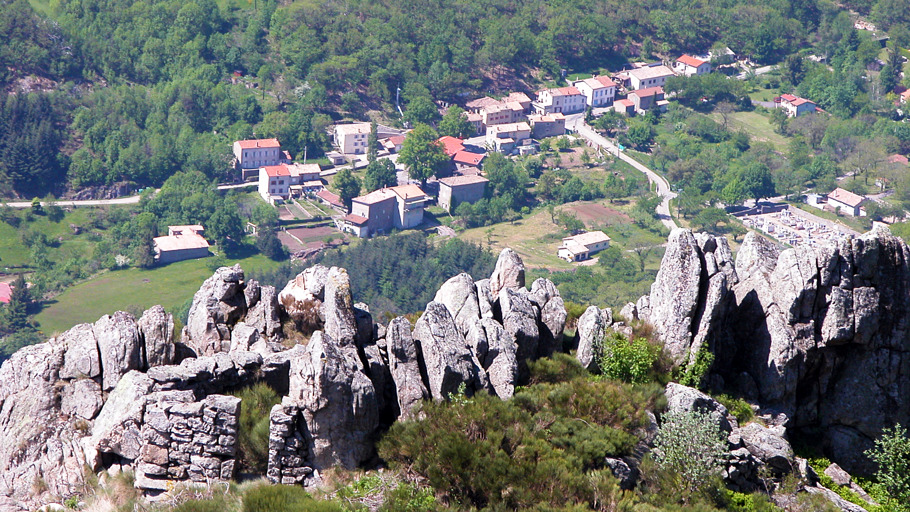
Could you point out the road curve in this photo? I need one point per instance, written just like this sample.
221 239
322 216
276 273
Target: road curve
663 188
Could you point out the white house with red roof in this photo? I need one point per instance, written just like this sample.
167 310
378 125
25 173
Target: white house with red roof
255 153
794 105
274 183
598 91
564 100
848 202
688 65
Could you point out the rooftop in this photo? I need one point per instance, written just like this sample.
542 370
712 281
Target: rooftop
333 199
481 102
258 143
898 159
180 242
275 171
647 91
599 82
846 197
564 91
6 292
690 61
451 145
548 118
510 127
408 191
354 128
651 72
194 228
626 102
469 158
518 97
300 169
589 238
458 181
357 220
376 196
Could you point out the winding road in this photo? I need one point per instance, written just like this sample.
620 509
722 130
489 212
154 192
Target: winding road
578 124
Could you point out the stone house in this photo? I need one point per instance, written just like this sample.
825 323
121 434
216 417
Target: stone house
385 209
351 139
649 98
460 189
552 125
598 91
181 243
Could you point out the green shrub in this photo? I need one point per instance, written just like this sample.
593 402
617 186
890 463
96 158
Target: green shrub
688 451
284 498
696 371
739 408
216 503
537 449
253 433
819 465
756 502
892 455
628 361
560 367
409 498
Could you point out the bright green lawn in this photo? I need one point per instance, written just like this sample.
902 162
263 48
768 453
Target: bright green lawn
171 286
14 254
756 125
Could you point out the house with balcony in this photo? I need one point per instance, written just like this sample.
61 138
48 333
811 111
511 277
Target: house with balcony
599 91
795 106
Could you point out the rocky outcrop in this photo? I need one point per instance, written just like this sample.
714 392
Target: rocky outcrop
338 403
447 359
405 367
221 302
509 272
591 328
818 333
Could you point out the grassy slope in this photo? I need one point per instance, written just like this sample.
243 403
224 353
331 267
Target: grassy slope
756 125
170 286
14 254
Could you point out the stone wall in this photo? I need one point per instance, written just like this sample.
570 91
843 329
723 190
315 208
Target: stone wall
187 440
288 453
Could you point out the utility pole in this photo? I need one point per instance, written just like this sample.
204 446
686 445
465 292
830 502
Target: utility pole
397 105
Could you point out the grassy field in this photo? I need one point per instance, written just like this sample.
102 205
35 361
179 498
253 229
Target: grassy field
14 255
756 125
134 289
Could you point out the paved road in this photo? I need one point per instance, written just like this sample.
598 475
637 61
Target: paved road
119 200
663 188
758 71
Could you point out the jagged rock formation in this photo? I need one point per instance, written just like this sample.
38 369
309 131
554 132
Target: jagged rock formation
122 393
818 334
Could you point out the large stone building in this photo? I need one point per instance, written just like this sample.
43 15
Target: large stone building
181 243
352 139
505 137
460 189
552 125
382 210
250 155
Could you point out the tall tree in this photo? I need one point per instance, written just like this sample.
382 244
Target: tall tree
372 143
455 123
347 185
422 153
14 315
379 174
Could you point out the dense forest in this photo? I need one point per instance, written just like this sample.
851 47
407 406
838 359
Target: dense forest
134 92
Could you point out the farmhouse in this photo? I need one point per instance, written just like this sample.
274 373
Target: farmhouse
649 98
688 65
581 247
547 126
794 105
460 189
182 243
848 202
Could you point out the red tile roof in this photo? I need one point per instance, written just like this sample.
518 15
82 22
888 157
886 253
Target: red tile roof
6 292
180 242
565 91
258 143
357 220
451 145
332 199
470 179
605 81
690 61
468 158
788 97
898 159
274 171
648 91
846 197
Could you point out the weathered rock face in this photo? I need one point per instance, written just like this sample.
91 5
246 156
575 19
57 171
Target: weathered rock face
459 296
118 346
220 303
156 327
508 273
337 402
817 333
448 360
405 367
690 290
591 328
